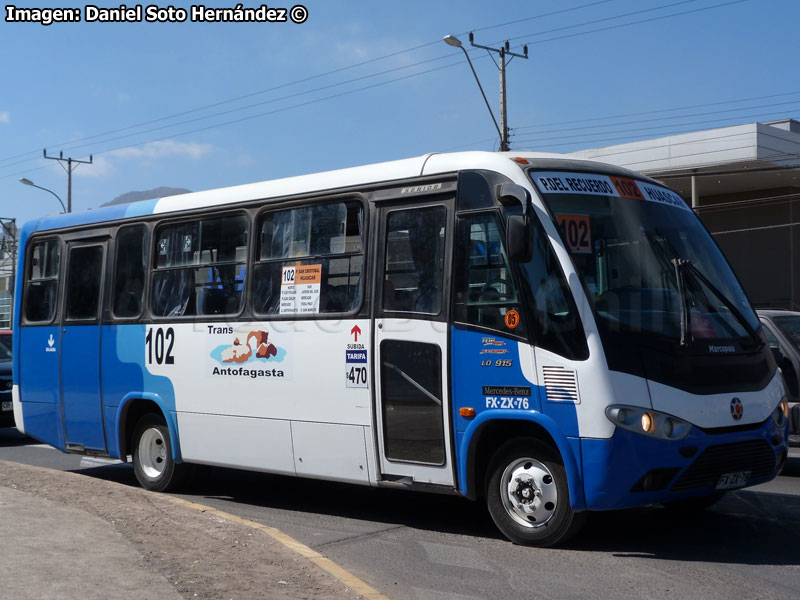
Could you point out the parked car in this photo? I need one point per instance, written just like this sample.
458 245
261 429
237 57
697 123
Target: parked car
6 410
782 330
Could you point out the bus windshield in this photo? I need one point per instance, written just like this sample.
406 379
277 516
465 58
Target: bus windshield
648 264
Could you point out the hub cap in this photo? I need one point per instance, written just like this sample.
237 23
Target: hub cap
152 453
528 492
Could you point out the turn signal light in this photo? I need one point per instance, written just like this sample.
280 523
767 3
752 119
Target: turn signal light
647 423
520 160
466 412
781 413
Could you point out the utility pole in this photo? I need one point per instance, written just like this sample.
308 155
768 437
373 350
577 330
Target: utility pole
503 51
8 250
72 164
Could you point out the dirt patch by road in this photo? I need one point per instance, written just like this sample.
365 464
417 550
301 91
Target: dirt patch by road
202 555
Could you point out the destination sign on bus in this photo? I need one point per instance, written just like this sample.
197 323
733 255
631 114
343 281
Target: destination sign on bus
563 182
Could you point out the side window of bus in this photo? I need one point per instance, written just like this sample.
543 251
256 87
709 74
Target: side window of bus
557 326
309 260
485 286
85 267
415 247
200 267
129 271
41 291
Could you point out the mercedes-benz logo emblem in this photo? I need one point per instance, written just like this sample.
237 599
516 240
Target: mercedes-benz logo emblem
737 410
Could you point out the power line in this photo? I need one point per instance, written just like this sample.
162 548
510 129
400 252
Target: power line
550 14
578 139
72 164
307 79
683 170
661 110
700 114
365 87
603 20
257 104
737 204
263 114
621 25
633 115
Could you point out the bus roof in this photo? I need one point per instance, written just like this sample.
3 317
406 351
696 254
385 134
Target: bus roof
429 164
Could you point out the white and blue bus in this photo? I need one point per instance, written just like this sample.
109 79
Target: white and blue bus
550 336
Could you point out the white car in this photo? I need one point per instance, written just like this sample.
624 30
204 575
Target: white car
782 330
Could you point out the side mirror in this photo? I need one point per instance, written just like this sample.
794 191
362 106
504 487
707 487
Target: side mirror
790 380
511 193
519 228
519 238
776 354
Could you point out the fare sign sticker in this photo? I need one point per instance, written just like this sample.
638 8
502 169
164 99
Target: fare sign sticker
300 289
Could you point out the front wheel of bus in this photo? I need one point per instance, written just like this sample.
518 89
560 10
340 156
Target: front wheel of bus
528 496
153 464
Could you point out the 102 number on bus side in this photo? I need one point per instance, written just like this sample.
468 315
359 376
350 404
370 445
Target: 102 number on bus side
159 344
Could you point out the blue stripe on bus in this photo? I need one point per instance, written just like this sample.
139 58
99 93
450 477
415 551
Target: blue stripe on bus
474 366
126 378
99 215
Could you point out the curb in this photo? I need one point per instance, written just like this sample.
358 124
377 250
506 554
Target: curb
326 564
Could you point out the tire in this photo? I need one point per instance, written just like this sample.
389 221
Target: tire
537 511
155 468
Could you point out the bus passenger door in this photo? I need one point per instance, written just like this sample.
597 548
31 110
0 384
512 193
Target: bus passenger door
81 401
411 310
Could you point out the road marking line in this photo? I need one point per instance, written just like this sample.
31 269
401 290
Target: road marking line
318 559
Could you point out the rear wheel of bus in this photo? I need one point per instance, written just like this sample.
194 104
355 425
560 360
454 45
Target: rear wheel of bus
528 496
153 463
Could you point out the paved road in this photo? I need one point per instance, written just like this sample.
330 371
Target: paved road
419 546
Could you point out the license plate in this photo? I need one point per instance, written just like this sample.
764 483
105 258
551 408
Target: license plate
7 406
733 480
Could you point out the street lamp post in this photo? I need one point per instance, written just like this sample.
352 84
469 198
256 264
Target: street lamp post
503 51
30 183
452 40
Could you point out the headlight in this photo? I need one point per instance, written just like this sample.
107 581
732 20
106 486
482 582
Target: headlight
648 422
781 413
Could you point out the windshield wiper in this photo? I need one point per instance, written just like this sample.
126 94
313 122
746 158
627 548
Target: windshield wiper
663 254
681 265
680 280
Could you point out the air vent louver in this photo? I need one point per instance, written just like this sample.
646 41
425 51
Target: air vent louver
561 385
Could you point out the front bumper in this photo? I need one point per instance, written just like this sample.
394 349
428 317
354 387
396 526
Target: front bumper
629 469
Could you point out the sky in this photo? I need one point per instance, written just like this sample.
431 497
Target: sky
204 105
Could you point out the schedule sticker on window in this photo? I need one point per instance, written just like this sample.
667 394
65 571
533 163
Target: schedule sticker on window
300 287
576 231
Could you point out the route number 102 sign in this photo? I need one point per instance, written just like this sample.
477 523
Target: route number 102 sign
576 232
